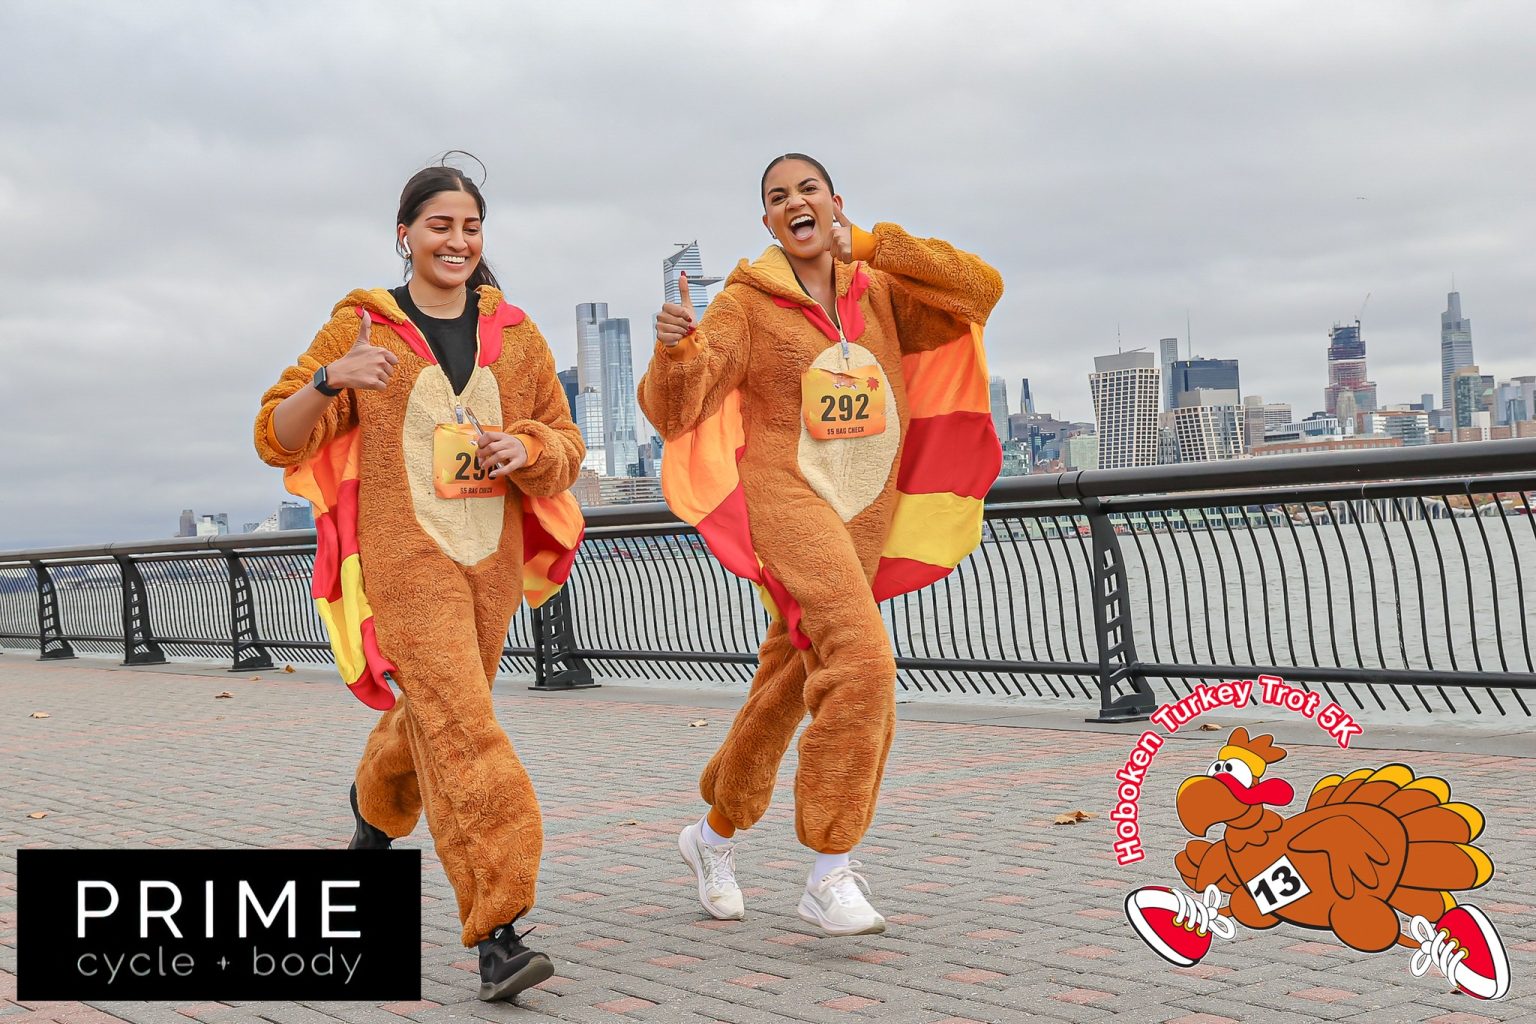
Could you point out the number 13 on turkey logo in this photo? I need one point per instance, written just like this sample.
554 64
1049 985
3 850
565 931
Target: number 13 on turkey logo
1278 885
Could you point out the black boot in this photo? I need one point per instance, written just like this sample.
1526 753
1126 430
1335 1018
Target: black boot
366 837
507 966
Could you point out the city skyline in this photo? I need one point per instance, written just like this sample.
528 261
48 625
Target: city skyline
1210 416
1233 176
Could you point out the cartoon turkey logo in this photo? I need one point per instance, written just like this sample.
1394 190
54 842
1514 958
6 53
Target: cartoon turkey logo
1369 846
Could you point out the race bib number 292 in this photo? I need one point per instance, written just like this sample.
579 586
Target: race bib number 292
456 468
843 405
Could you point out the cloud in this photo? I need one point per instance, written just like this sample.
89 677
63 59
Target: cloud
188 188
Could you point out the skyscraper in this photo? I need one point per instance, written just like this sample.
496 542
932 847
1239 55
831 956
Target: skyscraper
570 380
1000 407
1169 350
1259 416
589 417
1346 372
1081 451
1189 375
1455 345
213 525
619 409
1515 400
1410 426
589 347
293 515
1126 388
188 526
1207 432
1026 399
1471 393
687 260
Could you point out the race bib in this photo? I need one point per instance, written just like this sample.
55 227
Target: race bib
838 405
456 469
1278 885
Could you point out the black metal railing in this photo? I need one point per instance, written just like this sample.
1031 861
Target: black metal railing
1401 579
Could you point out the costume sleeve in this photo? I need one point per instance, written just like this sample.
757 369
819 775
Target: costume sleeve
687 383
936 289
333 342
555 448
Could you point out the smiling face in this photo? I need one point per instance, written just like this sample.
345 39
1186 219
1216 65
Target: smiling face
797 207
444 240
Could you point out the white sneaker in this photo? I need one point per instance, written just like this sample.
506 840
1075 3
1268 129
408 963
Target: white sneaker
837 906
715 869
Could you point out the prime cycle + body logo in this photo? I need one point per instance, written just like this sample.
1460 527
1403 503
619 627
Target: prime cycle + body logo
218 924
1367 847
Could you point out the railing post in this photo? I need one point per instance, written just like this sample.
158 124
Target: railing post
1112 626
248 652
139 646
556 665
51 645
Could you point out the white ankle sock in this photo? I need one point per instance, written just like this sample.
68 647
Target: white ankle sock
710 836
826 863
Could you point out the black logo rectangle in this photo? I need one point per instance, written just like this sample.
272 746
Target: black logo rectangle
218 924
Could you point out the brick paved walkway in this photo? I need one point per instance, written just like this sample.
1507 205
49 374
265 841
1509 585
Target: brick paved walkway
997 914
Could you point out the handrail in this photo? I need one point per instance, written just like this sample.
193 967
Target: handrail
1454 462
1399 576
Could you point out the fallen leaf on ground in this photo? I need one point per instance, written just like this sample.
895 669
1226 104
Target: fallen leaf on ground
38 814
629 823
287 668
221 696
1209 727
255 679
1073 817
41 714
696 723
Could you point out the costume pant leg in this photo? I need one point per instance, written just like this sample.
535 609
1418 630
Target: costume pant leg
387 793
738 781
479 801
850 686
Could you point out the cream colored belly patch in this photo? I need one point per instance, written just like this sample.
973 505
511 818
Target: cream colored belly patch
850 473
467 529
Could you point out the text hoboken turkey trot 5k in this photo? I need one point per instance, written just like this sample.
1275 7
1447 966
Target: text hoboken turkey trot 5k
1271 690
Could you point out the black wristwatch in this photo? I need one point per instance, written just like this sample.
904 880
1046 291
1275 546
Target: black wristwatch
321 386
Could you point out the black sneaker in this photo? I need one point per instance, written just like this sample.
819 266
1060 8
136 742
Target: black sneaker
366 837
507 966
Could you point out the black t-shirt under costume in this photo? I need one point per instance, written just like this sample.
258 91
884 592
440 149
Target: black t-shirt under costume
452 340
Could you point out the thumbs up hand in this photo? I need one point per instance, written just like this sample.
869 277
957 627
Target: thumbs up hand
840 238
675 321
366 366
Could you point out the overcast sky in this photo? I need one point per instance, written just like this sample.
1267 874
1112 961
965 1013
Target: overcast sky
188 188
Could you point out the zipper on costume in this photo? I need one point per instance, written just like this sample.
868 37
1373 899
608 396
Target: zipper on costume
833 317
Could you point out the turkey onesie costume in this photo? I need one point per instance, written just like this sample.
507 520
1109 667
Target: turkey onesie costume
834 470
448 555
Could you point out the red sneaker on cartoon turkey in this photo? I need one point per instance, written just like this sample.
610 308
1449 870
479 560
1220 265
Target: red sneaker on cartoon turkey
1465 947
